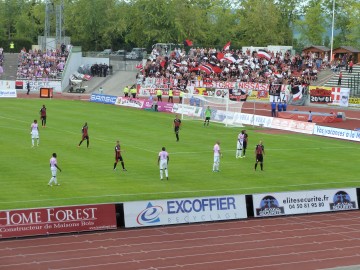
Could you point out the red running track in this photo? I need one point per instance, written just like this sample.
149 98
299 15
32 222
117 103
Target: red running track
304 242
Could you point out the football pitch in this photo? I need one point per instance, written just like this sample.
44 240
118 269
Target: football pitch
292 161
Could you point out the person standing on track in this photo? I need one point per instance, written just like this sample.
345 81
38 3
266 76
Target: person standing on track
85 135
259 155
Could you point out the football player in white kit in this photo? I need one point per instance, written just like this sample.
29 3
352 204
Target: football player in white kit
53 167
34 134
240 143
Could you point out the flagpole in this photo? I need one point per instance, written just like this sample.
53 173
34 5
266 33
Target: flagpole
332 32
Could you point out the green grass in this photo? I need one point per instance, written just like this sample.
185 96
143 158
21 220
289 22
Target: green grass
292 161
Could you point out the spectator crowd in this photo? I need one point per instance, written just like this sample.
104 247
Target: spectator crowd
233 66
37 64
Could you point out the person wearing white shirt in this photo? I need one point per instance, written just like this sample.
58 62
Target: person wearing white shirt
217 155
163 161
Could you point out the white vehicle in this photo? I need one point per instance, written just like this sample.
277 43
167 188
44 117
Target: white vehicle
105 52
139 52
132 55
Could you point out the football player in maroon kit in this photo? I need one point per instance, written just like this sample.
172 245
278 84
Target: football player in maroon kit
259 155
85 135
43 116
118 156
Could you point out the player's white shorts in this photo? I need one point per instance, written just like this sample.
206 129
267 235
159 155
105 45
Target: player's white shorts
34 134
53 171
163 164
239 145
216 159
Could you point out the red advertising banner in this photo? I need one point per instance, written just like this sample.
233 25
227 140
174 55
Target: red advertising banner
43 221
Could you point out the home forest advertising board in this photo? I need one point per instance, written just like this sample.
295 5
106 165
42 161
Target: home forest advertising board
54 220
317 201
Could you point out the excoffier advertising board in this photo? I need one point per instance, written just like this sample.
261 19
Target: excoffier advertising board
188 210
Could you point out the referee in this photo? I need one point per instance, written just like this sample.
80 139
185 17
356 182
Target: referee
177 124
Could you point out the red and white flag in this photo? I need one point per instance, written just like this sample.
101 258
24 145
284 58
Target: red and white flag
208 70
296 92
262 54
227 46
335 94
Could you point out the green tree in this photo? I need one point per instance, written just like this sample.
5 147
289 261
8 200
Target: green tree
85 21
312 27
289 10
353 35
260 22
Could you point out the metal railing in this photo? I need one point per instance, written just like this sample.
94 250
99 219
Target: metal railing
354 85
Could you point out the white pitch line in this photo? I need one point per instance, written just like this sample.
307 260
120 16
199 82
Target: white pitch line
178 192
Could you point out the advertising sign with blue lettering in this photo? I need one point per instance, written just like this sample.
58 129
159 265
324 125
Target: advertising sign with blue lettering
316 201
106 99
189 210
338 133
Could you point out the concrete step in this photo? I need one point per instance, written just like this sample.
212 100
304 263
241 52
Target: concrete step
333 80
10 66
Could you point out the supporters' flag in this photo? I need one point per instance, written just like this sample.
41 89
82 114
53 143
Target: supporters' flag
139 66
215 68
232 58
206 68
262 54
177 65
227 46
296 92
19 85
275 89
219 55
335 94
194 69
188 43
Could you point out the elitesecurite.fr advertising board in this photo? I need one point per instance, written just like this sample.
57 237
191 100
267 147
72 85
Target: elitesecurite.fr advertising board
304 202
188 210
54 220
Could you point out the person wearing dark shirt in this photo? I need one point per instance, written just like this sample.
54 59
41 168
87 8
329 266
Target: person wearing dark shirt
245 143
279 106
85 135
28 87
273 109
177 124
43 116
259 154
118 156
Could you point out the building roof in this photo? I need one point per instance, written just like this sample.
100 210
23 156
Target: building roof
348 48
320 48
